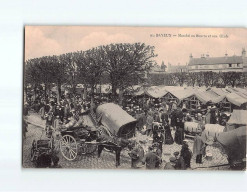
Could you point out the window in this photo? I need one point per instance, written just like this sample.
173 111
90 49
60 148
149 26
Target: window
238 65
230 65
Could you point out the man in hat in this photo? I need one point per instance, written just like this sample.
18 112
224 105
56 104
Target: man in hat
174 105
157 149
179 135
151 158
139 123
159 138
179 161
199 148
136 154
163 116
213 115
188 117
186 154
179 117
156 115
173 116
170 165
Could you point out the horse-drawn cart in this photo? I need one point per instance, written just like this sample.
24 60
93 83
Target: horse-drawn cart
77 141
111 127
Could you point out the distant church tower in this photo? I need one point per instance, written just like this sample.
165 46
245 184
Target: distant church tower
163 66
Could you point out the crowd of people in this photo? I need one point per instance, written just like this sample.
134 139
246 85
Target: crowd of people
156 119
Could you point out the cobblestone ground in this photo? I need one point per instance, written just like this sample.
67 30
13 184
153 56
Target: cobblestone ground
107 159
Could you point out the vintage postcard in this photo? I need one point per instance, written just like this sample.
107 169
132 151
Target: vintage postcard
112 97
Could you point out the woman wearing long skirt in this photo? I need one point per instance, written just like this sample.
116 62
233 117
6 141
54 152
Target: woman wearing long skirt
168 134
179 134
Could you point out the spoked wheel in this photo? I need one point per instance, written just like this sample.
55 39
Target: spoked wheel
68 147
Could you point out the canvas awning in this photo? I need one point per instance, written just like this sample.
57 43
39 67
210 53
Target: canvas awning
205 96
219 91
182 94
155 92
238 117
236 99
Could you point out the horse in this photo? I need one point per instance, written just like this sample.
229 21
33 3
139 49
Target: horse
113 144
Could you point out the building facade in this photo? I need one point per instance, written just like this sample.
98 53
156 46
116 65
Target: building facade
176 68
218 64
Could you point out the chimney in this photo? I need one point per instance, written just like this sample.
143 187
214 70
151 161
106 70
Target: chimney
243 52
207 55
226 54
191 56
202 56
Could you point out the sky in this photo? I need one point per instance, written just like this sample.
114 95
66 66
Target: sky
173 45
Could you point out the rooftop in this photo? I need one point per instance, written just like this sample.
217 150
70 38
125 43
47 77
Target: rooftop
216 60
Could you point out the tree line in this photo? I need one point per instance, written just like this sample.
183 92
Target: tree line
208 79
121 65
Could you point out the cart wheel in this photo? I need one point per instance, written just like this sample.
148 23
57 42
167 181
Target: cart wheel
68 147
91 148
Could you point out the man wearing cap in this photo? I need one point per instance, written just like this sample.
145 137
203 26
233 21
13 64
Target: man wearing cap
151 159
170 165
186 154
163 116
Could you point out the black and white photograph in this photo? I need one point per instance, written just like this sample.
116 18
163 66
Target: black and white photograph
143 98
